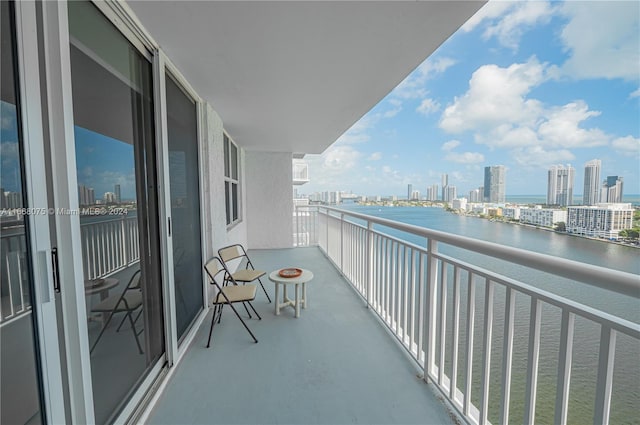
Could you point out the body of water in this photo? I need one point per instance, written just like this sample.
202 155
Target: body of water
626 386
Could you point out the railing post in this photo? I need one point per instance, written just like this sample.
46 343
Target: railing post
123 233
342 243
296 215
430 326
532 361
327 247
369 265
604 381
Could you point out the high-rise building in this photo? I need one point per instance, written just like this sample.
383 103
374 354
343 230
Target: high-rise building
117 192
109 197
591 191
415 195
611 190
476 195
432 192
450 194
560 185
409 190
494 184
445 183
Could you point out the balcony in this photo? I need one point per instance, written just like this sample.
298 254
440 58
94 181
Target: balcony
491 358
300 173
334 364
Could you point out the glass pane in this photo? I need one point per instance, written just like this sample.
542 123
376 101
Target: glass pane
19 386
182 125
234 189
234 161
227 200
113 117
226 156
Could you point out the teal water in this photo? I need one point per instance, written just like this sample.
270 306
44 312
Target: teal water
626 384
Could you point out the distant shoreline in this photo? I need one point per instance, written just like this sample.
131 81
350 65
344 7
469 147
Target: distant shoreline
549 229
440 204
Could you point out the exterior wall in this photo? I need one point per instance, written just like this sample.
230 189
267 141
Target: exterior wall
269 204
216 233
459 204
513 213
604 221
542 216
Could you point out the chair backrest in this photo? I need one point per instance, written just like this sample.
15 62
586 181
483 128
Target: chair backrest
134 282
231 252
213 267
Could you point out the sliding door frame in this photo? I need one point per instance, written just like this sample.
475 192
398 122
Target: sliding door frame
43 308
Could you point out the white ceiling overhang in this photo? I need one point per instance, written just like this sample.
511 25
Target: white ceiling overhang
292 76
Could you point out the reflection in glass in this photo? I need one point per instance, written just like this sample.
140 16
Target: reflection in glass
19 392
185 204
113 117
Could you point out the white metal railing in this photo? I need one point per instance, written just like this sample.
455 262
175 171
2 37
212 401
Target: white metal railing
14 291
411 287
108 246
305 226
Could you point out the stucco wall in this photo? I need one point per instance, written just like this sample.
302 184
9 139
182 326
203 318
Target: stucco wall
216 235
269 200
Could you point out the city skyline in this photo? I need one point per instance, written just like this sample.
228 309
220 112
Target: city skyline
524 84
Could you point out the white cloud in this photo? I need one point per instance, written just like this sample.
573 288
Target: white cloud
450 145
562 127
358 133
523 16
336 165
465 157
413 87
10 154
627 145
537 156
428 106
340 158
634 94
501 114
8 115
496 96
491 10
508 21
391 112
376 156
602 40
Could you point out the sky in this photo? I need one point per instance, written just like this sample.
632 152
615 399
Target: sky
526 85
102 162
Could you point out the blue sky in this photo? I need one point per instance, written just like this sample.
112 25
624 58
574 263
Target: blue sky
102 162
522 84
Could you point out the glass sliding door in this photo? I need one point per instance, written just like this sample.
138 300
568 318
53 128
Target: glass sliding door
20 395
182 129
117 192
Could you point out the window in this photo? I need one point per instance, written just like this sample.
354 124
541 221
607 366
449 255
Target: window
231 181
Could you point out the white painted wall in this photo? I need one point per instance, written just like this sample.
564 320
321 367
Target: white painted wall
215 232
269 200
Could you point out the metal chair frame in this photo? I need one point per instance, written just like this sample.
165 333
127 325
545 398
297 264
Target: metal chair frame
219 302
241 253
122 305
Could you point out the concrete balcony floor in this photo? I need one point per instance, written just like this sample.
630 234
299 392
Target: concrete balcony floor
335 364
